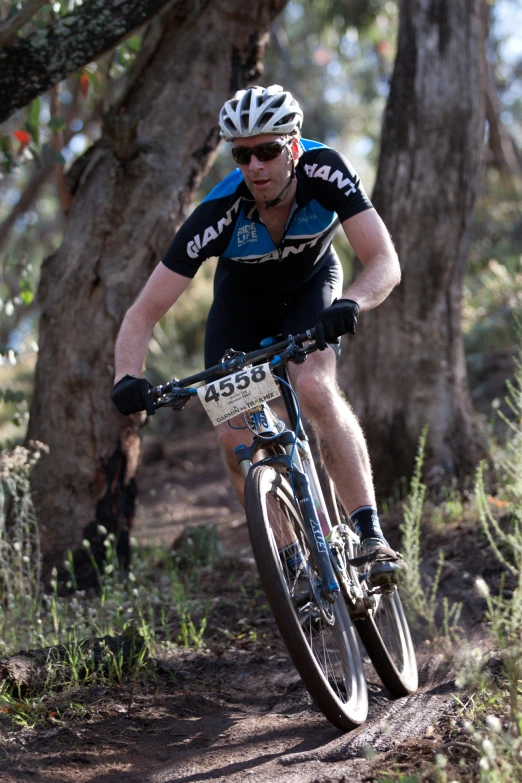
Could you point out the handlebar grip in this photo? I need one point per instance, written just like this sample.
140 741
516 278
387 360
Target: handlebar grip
151 398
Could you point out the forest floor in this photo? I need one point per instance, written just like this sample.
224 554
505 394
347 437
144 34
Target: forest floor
235 709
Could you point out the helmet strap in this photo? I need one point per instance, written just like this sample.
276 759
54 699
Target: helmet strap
279 198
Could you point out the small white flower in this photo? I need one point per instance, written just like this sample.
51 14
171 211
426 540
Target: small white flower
494 724
488 748
86 543
484 764
481 587
441 760
102 530
109 569
132 577
468 726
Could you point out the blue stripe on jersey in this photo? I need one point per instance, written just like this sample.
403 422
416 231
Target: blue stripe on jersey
249 239
308 144
226 187
311 220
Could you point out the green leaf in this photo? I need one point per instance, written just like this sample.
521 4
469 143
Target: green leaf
56 123
51 155
12 396
134 43
36 156
5 145
93 79
33 120
26 297
57 156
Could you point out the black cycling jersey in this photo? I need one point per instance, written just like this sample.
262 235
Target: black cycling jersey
240 319
227 224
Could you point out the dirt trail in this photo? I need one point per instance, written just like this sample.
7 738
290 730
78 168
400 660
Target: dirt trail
230 712
225 718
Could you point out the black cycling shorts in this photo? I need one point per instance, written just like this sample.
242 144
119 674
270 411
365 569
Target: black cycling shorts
240 317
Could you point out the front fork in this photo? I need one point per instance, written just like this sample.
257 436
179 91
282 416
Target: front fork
302 491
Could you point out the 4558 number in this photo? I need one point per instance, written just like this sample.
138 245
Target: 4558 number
227 386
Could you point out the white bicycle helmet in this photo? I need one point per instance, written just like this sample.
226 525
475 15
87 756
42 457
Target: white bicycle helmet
260 110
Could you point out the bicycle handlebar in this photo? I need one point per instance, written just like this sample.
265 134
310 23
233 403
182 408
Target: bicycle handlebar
236 361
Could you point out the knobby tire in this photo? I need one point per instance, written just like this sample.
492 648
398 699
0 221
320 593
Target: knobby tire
327 657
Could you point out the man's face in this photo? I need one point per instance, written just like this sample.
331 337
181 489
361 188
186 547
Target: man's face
266 179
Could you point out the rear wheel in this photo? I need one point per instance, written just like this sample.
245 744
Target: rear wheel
384 630
318 635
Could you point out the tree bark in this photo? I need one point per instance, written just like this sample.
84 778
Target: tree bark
406 366
130 196
30 66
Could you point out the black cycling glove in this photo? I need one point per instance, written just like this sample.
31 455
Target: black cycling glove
130 394
338 319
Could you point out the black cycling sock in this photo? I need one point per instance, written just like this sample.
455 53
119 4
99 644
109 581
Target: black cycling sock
366 522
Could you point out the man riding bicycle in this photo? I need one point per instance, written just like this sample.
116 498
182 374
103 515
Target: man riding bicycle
271 223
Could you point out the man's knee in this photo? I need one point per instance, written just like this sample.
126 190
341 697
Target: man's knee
315 390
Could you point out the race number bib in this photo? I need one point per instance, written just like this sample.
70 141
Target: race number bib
238 392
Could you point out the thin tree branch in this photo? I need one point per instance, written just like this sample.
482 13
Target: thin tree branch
42 174
503 155
33 187
34 64
64 192
11 26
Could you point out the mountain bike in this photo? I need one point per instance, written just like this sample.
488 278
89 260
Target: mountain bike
306 550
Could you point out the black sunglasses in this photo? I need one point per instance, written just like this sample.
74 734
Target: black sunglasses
263 152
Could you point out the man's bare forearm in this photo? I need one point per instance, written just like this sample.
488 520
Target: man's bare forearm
162 290
376 282
132 344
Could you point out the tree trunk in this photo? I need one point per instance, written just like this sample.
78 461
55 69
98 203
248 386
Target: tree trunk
132 193
406 367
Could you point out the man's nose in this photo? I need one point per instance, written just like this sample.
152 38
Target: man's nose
254 163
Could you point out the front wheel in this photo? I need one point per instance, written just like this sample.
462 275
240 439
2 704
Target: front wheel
319 636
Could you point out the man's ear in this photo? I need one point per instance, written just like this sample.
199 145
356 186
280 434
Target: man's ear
296 149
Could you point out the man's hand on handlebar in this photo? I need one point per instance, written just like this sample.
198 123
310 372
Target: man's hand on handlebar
338 319
130 395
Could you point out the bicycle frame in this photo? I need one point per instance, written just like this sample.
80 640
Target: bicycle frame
329 541
298 461
295 457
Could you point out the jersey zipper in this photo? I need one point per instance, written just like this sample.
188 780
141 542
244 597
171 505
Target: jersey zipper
287 229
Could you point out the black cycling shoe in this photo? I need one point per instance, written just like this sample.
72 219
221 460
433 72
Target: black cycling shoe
386 567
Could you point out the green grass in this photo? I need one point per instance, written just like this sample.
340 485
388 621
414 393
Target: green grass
487 734
422 605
